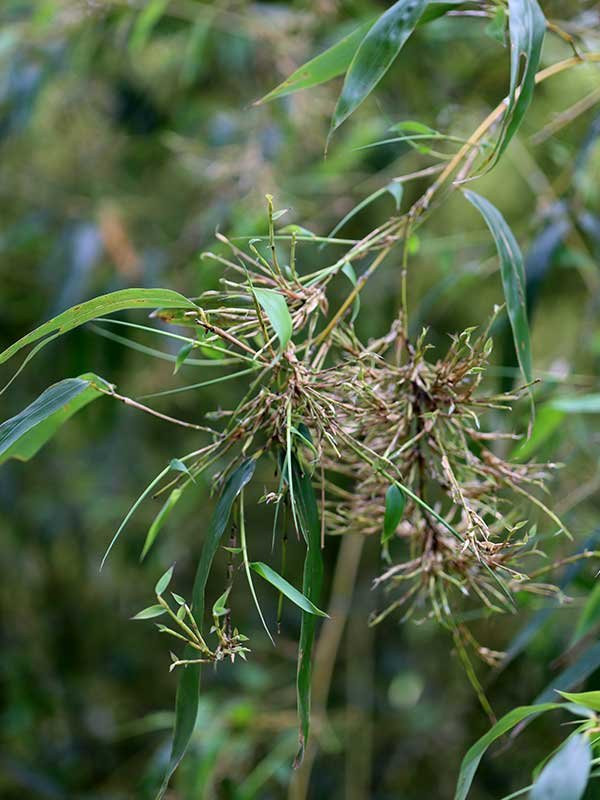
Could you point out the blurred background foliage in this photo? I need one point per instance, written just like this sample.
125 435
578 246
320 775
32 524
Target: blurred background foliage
127 137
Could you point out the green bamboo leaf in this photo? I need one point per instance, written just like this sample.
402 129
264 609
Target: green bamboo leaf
104 304
182 356
566 775
475 753
24 434
526 27
219 609
286 588
150 612
163 582
154 482
394 508
513 279
186 704
160 519
275 307
332 62
586 699
308 516
375 55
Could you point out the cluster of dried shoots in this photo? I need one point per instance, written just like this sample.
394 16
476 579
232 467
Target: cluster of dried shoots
362 417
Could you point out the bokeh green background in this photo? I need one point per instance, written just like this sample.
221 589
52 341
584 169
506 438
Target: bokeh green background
122 150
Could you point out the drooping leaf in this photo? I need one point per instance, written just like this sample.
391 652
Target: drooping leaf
375 55
540 257
526 27
394 508
160 519
286 588
24 434
513 278
475 753
586 699
97 307
276 309
566 775
150 612
329 64
163 582
186 704
308 515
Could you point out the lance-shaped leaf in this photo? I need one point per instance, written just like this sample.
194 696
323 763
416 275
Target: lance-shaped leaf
24 434
275 307
308 516
163 582
336 59
104 304
375 55
286 588
526 25
327 65
160 519
475 753
513 279
150 612
566 775
587 699
186 704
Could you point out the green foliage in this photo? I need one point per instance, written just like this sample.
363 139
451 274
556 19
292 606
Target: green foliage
276 309
186 703
375 54
23 435
286 588
513 279
97 307
394 509
329 64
